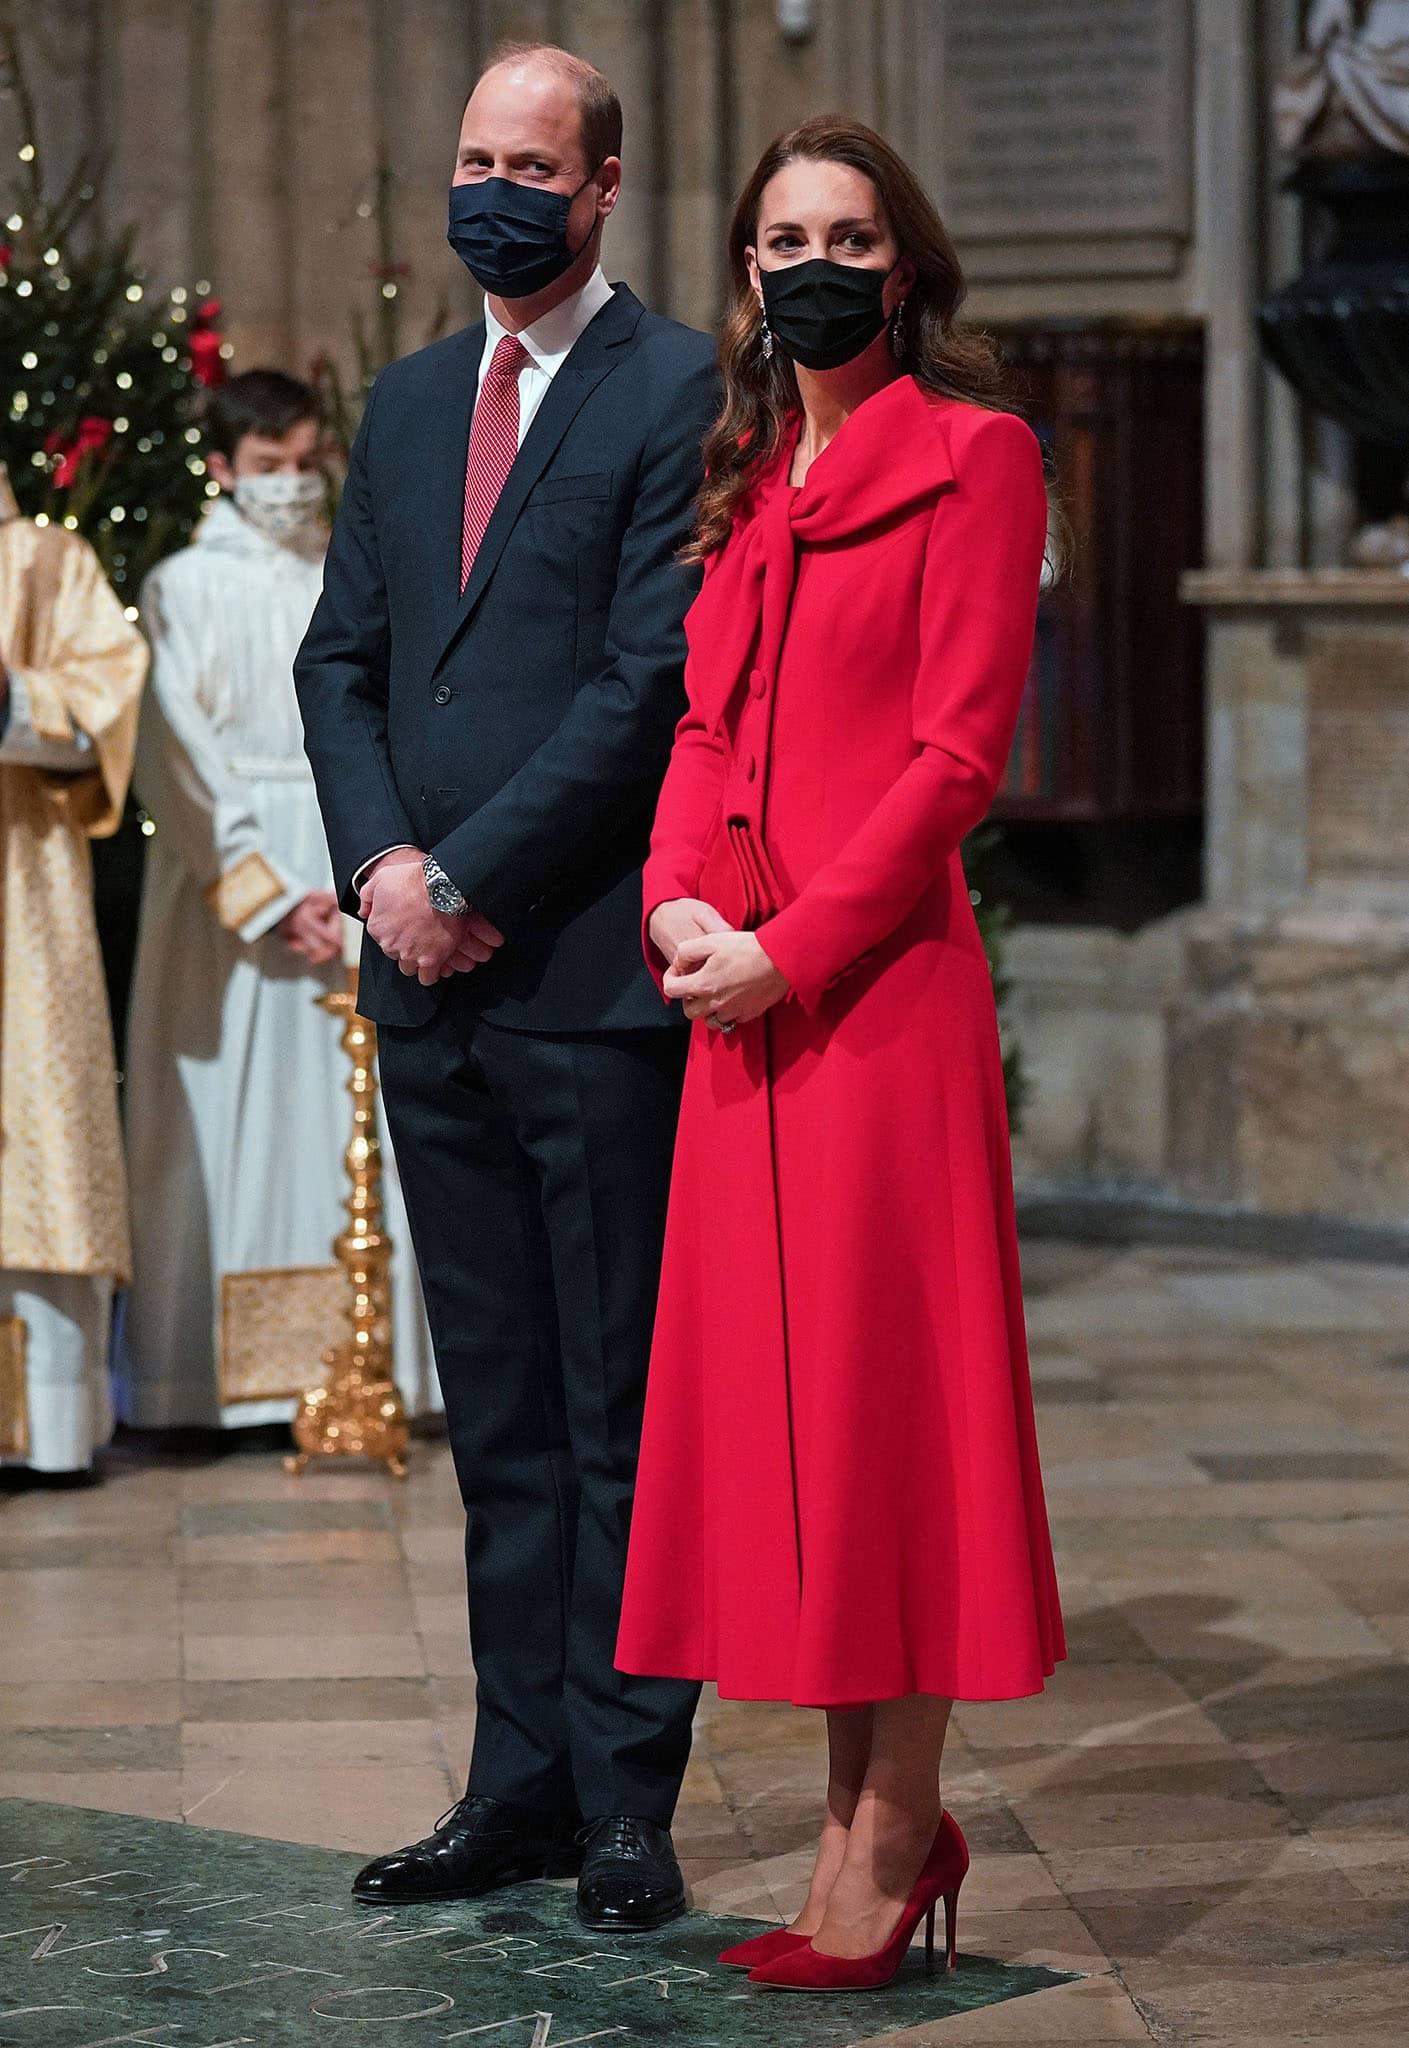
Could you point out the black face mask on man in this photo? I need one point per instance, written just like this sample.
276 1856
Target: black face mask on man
821 313
513 239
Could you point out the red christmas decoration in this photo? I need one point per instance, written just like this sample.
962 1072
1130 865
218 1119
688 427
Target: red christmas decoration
205 344
92 438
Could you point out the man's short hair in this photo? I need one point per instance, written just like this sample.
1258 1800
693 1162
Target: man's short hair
264 402
599 109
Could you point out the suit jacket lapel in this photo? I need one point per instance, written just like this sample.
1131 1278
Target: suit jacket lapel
447 452
593 355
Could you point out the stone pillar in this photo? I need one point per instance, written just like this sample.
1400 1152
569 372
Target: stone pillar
249 209
153 52
1228 237
1289 1040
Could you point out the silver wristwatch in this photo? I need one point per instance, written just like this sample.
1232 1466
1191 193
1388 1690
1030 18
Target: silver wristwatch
441 890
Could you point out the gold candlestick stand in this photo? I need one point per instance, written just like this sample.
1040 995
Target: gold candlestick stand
359 1412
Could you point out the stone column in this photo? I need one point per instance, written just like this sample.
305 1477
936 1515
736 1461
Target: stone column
1228 235
153 51
249 210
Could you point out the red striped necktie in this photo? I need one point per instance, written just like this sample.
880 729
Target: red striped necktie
494 442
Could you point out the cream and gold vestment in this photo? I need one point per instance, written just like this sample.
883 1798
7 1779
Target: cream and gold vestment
63 1199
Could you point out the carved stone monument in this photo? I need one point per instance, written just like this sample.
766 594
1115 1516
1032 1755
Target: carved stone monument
1065 131
1347 93
1289 1048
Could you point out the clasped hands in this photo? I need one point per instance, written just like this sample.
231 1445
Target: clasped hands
427 943
714 971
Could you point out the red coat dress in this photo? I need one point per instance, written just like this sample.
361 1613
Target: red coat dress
839 1498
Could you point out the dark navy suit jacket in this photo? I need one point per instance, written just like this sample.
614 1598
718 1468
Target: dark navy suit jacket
520 732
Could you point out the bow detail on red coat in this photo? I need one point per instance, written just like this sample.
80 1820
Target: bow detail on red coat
738 619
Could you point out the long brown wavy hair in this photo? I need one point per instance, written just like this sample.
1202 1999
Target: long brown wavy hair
761 392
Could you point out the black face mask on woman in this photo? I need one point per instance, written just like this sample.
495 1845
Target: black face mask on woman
823 313
513 239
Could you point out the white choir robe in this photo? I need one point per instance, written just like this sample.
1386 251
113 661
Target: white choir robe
238 1113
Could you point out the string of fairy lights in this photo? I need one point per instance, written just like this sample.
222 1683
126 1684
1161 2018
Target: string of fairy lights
105 381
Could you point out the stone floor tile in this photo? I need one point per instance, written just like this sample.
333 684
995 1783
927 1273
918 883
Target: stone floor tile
1056 1938
1376 1865
336 1614
1019 1883
441 1613
1304 1698
301 1513
373 1745
349 1581
98 1660
1278 1298
334 1807
308 1699
1080 1819
258 1550
150 1608
1094 2011
727 1887
1295 2001
1095 1703
447 1652
144 1746
264 1478
156 1794
298 1654
55 1703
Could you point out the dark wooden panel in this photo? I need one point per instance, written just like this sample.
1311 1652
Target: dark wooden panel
1111 727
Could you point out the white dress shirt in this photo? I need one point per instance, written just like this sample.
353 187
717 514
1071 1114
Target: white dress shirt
548 341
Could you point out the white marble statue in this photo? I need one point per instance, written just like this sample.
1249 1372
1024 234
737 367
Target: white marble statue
1347 93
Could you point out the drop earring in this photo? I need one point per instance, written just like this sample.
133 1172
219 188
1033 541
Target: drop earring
766 337
897 332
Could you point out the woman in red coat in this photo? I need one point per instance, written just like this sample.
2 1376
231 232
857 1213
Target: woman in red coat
839 1501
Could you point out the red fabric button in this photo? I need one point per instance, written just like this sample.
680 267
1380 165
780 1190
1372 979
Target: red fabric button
751 769
758 682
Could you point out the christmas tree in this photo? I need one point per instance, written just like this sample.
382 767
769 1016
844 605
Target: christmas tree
389 274
104 378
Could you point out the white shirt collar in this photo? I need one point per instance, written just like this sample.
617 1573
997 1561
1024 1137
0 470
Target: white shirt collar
552 335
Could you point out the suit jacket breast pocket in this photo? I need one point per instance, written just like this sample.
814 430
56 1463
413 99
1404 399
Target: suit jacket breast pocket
571 490
568 532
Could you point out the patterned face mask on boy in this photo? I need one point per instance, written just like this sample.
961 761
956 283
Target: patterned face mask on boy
285 508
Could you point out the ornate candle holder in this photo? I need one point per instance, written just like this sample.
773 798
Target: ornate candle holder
358 1413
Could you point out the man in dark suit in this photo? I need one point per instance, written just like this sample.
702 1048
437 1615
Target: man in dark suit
489 689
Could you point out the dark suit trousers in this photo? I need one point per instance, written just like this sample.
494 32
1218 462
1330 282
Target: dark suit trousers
536 1170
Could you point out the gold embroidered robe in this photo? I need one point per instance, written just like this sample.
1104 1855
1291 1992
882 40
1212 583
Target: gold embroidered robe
63 1197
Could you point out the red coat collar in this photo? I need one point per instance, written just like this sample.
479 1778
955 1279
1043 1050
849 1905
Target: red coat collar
891 458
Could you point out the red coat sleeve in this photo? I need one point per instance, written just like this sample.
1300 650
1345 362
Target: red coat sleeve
689 803
978 609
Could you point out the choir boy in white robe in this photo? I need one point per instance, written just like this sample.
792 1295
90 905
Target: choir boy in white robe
237 1106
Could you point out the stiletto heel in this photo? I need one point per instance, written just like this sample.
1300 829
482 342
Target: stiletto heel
806 1968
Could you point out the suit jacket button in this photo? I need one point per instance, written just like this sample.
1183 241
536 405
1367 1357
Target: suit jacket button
751 768
442 695
758 682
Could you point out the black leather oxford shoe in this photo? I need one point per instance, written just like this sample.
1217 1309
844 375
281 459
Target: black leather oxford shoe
479 1845
630 1879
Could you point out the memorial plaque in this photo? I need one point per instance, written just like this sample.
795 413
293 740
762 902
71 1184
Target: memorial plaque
1358 757
1065 119
115 1929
